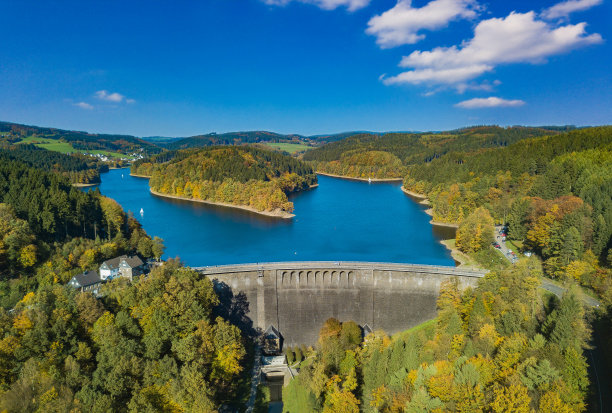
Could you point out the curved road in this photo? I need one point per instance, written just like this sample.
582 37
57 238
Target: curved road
599 374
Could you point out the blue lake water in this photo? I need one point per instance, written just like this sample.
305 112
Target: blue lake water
340 220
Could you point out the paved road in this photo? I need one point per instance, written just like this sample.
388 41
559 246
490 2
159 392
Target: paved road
600 377
557 290
503 247
548 285
255 376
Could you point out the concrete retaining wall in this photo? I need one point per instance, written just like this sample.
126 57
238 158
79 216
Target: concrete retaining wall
297 297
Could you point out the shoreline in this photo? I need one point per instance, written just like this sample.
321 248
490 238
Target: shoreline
273 214
464 261
361 179
423 200
148 177
457 255
428 211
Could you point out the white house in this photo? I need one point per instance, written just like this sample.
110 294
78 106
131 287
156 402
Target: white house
125 266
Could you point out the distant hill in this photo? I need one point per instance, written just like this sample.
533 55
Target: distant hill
233 138
66 141
160 140
387 155
339 136
240 138
77 140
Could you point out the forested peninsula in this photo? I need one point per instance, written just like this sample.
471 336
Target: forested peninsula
239 176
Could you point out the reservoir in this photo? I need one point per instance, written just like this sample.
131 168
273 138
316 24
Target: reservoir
340 220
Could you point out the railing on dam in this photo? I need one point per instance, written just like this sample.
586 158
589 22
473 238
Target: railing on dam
340 265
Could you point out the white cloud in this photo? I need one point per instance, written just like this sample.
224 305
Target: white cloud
438 76
563 9
401 24
84 105
517 38
109 97
490 102
351 5
130 101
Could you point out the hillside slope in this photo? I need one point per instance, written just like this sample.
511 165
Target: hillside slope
79 141
236 175
356 156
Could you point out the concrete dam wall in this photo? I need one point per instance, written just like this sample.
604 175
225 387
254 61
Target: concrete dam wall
297 297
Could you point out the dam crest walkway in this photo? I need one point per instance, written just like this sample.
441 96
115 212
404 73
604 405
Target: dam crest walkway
339 266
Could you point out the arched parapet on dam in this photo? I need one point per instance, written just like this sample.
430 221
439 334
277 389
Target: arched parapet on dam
297 297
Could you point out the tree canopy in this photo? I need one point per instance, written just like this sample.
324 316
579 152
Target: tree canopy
497 348
238 175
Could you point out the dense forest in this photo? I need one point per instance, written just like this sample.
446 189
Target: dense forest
13 132
238 175
49 230
174 341
551 187
353 156
553 192
79 169
171 342
500 347
160 345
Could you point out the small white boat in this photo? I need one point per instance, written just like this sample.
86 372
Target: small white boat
370 180
141 211
121 176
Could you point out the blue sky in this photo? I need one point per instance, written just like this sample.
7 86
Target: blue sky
184 67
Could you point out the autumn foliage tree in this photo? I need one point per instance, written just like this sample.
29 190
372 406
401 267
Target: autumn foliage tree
156 345
476 231
494 348
244 176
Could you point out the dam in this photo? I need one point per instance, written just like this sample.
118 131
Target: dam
297 297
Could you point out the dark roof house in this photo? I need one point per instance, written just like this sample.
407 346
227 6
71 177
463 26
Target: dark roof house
87 281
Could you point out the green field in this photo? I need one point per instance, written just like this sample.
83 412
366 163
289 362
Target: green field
49 144
289 147
65 147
